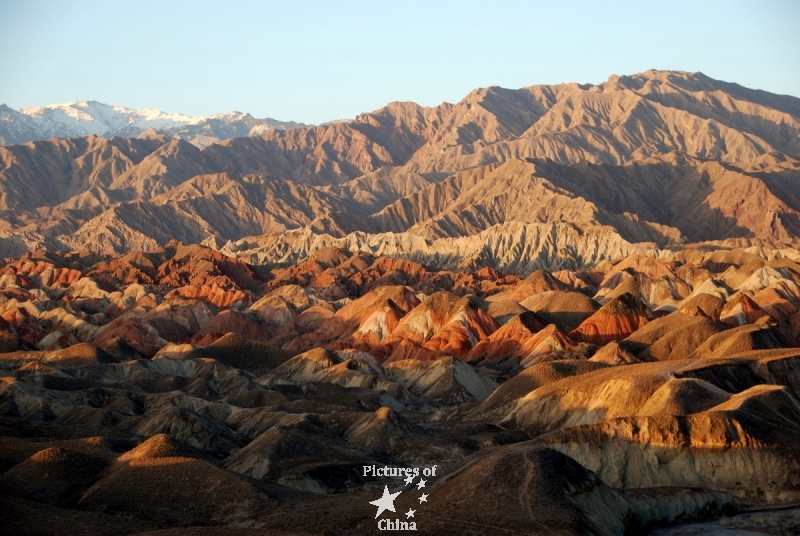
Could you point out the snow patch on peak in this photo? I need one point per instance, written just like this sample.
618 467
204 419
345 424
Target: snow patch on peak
230 116
85 118
82 118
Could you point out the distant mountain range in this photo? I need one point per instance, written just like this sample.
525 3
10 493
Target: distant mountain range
513 179
579 304
76 119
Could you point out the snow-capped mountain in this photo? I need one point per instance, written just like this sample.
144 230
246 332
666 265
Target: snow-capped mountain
91 117
72 119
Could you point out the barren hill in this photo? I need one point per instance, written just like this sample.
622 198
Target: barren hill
662 158
579 304
185 390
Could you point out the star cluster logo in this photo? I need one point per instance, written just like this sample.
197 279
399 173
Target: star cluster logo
386 501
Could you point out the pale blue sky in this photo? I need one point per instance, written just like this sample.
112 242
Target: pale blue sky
313 61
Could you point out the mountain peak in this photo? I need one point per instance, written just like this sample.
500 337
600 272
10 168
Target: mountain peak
82 118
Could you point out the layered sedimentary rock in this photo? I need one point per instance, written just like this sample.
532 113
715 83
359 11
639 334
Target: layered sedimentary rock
280 383
660 158
579 304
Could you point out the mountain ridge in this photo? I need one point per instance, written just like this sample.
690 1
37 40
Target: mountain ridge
662 158
573 309
83 118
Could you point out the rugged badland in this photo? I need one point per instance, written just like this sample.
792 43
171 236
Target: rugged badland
581 303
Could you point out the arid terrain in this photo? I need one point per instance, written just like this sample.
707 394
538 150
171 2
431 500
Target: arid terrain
574 309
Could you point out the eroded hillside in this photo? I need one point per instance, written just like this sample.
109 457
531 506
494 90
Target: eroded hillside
661 157
572 309
635 393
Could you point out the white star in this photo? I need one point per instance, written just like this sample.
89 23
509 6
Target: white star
409 479
410 513
424 498
386 502
421 484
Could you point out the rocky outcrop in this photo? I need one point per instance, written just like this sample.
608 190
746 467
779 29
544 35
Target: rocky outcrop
512 247
655 170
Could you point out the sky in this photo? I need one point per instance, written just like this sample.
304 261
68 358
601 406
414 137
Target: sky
315 61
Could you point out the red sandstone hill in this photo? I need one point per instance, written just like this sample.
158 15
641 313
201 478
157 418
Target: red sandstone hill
280 386
583 299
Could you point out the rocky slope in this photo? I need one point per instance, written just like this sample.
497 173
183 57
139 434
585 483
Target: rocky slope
639 393
576 307
661 157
